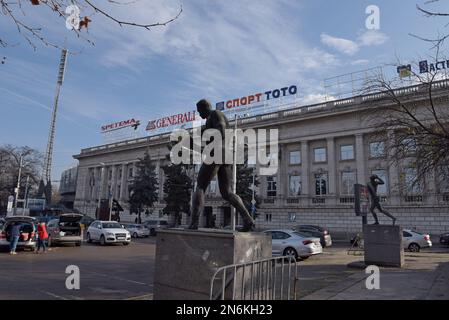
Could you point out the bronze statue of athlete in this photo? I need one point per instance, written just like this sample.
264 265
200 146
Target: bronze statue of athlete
217 120
375 199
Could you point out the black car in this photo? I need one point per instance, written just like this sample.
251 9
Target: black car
316 231
444 238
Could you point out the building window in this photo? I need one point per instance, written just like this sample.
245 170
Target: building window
381 188
268 217
321 184
271 186
295 157
120 173
110 174
295 186
319 154
408 145
412 185
292 217
347 152
213 187
130 172
347 182
443 180
377 149
119 189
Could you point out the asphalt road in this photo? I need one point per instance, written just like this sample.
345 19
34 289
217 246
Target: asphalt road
126 272
110 272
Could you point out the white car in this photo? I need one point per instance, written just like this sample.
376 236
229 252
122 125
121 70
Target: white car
414 241
293 243
137 230
108 232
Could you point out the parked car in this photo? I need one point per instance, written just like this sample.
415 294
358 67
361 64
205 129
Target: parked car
27 233
414 241
294 243
86 221
108 232
154 225
65 229
444 238
316 231
137 230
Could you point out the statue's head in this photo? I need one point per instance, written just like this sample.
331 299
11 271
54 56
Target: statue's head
373 178
204 108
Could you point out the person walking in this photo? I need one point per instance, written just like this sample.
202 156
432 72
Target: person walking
42 237
14 238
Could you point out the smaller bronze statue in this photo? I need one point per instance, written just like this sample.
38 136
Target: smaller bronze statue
375 199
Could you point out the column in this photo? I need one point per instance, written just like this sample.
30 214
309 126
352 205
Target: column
123 183
305 174
113 181
331 162
393 171
102 187
360 159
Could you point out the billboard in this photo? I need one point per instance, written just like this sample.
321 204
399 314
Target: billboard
121 130
361 196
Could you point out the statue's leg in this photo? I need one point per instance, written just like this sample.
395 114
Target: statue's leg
385 212
373 205
205 175
224 183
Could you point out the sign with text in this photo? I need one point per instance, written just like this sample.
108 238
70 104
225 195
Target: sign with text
121 130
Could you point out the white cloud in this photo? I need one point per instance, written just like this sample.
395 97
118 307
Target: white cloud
365 39
372 38
359 62
343 45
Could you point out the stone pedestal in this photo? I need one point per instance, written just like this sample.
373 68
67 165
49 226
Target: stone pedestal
186 260
383 245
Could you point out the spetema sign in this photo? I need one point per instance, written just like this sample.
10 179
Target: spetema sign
120 125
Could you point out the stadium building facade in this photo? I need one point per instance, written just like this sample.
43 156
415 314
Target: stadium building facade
324 149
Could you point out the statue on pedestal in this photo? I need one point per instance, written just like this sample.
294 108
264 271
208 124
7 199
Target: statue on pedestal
217 120
375 199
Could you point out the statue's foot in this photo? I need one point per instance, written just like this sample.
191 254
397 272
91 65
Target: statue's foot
394 221
375 223
247 227
193 226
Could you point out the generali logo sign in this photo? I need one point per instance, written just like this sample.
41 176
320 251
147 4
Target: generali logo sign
173 120
120 125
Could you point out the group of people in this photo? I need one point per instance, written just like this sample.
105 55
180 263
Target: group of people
15 233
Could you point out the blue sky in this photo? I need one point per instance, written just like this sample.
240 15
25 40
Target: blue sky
216 49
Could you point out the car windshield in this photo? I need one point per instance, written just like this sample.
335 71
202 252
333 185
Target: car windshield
163 223
111 225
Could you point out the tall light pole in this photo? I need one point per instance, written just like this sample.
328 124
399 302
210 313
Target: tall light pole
18 185
234 172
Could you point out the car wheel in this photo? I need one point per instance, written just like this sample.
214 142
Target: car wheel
135 235
125 243
102 240
78 244
414 247
89 240
291 252
305 257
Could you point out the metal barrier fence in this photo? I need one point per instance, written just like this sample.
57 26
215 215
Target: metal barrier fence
266 279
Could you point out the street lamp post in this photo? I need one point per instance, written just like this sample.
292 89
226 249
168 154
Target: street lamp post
234 172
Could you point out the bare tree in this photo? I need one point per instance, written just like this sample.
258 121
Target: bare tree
16 11
428 12
413 118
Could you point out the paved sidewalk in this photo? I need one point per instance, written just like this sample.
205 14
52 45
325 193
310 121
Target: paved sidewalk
424 277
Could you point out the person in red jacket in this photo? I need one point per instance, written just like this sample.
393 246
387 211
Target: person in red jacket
42 236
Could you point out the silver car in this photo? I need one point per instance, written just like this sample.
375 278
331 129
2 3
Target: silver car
293 243
137 230
65 229
414 241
